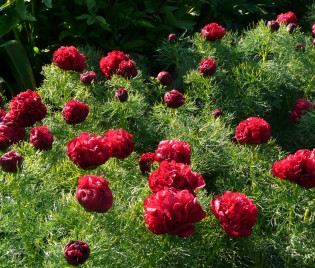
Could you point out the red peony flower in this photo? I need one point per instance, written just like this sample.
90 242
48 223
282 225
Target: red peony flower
175 175
165 78
87 151
127 69
253 130
172 213
145 162
216 113
291 27
88 77
300 107
176 150
120 142
213 32
172 38
27 108
273 25
69 58
11 161
10 133
174 99
121 95
41 138
94 194
75 111
76 252
287 18
110 64
2 114
298 168
236 212
207 67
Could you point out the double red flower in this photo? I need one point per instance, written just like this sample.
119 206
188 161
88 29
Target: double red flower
11 161
298 168
69 58
75 111
207 67
175 175
41 138
300 107
173 213
253 130
76 252
236 212
213 32
287 18
174 99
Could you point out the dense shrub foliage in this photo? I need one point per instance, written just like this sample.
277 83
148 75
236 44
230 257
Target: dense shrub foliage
260 74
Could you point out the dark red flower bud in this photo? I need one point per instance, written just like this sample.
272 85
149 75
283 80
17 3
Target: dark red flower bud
120 142
75 111
110 64
165 78
207 67
253 130
145 162
273 25
76 252
213 32
41 138
88 77
69 58
172 38
236 212
287 18
291 27
87 151
121 95
174 99
27 108
11 161
94 194
127 69
10 133
216 113
300 47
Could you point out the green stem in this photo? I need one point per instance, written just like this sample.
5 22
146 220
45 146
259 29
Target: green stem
122 117
294 199
252 165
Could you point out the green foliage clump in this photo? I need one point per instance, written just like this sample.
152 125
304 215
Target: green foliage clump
39 211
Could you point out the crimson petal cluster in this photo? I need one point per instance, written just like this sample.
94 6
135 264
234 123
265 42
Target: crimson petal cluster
41 138
169 212
69 58
298 168
75 111
94 194
76 252
213 32
207 67
11 161
236 212
287 18
88 77
300 107
174 99
145 162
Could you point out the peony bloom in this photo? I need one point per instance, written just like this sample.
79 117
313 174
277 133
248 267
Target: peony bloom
27 108
298 168
176 150
87 151
213 32
287 18
11 161
172 38
88 77
300 107
174 99
216 113
207 67
253 130
165 78
41 138
120 142
2 114
145 162
10 133
273 25
75 111
291 27
94 194
69 58
127 69
121 95
175 175
110 64
76 252
173 213
236 212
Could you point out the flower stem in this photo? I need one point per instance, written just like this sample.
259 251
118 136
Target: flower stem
252 165
294 199
122 116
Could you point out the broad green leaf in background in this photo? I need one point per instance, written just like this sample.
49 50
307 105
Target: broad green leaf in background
20 8
48 3
7 23
91 4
